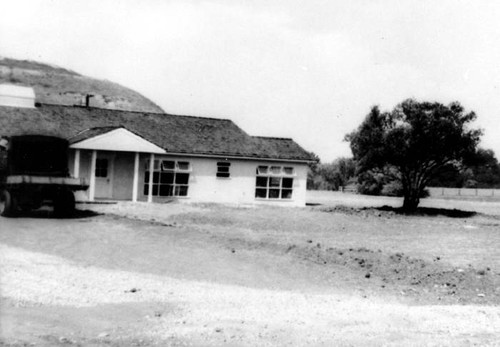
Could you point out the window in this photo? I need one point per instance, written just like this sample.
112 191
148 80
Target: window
101 167
274 182
223 169
170 178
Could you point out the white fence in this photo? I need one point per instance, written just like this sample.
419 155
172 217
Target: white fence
440 191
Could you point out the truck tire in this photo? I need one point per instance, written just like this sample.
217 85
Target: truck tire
30 202
8 207
64 204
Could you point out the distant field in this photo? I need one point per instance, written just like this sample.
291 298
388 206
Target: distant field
479 204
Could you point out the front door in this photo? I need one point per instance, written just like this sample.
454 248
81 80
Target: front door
104 176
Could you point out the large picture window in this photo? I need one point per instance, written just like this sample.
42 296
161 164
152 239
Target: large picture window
170 178
274 182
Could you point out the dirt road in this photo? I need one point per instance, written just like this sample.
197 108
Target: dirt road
182 281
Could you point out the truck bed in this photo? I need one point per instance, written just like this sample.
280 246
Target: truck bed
70 182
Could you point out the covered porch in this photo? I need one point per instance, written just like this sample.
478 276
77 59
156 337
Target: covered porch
113 159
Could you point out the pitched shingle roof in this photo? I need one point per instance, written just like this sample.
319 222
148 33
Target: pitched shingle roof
176 134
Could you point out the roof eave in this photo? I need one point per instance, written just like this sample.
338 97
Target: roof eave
237 157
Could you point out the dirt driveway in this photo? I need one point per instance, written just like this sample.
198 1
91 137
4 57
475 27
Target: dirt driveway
209 275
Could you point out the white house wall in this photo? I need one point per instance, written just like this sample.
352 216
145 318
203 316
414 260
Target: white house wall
239 188
204 185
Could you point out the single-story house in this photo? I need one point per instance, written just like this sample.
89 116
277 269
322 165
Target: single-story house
151 157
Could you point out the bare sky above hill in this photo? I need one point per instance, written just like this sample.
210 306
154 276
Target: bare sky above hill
310 70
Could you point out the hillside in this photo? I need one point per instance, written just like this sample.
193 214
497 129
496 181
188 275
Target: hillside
56 85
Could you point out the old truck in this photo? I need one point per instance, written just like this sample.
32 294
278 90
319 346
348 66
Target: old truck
34 171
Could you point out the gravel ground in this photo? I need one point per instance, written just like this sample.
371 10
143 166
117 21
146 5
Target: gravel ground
209 314
54 298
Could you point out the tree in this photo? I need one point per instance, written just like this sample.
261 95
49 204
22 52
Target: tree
413 143
484 169
332 175
451 176
480 170
345 169
372 182
312 171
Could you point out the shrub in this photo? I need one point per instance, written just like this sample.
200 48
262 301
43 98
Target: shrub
393 188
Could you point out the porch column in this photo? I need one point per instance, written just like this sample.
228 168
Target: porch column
136 177
76 164
92 175
151 169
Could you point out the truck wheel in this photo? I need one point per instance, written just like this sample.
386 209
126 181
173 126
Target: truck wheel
64 203
8 206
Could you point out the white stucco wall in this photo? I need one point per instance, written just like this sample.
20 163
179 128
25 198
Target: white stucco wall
204 186
239 188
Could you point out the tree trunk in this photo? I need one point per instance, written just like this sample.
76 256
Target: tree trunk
411 201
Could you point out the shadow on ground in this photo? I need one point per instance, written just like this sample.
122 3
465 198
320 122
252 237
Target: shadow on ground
49 214
430 211
379 211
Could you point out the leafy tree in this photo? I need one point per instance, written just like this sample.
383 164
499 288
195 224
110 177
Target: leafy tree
451 176
479 170
374 182
484 169
346 170
332 175
312 171
413 142
371 182
328 177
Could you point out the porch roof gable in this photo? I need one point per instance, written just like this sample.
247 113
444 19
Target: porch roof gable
117 139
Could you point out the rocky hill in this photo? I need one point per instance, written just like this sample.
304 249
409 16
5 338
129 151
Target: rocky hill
55 85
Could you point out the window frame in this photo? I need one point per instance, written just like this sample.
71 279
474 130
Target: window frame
100 169
170 186
270 178
224 165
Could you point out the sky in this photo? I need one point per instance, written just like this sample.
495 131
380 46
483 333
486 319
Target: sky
308 69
